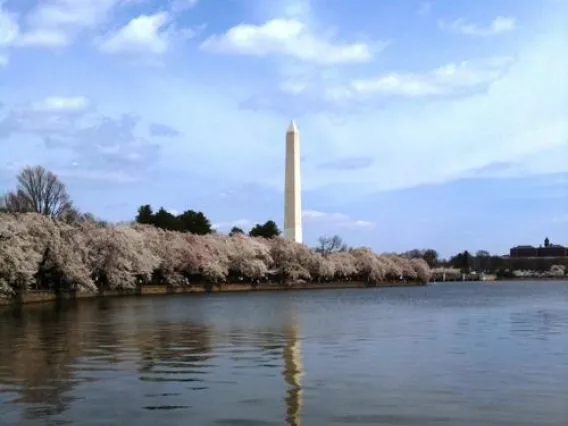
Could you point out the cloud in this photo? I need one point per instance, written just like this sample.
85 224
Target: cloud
43 38
336 220
9 28
347 163
505 112
450 79
343 100
164 130
46 117
72 128
291 38
62 104
77 172
145 34
499 25
57 22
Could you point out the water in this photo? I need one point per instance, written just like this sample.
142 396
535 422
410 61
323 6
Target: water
446 354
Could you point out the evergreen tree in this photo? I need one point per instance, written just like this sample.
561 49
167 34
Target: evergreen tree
145 215
165 220
236 230
194 222
268 230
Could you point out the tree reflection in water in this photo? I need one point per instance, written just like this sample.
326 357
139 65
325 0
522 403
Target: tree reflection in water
41 348
174 352
49 350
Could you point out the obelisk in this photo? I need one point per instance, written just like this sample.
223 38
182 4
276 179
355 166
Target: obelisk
292 187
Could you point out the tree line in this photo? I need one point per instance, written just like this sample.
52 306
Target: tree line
483 261
197 223
45 243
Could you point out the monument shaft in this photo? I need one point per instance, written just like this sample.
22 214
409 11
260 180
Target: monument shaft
292 187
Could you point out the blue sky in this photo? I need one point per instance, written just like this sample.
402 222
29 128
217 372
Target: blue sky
423 124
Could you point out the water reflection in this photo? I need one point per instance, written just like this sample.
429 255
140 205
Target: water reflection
39 346
293 372
50 352
230 359
174 352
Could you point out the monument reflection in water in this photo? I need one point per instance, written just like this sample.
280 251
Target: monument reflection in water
293 372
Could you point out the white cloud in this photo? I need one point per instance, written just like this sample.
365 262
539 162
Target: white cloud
106 176
43 38
446 80
62 104
336 219
499 25
316 214
57 22
289 37
145 34
81 13
9 28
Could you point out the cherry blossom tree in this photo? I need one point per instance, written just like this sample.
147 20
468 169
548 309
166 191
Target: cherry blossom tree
41 252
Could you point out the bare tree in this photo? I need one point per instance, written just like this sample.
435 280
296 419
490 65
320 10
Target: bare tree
39 191
328 245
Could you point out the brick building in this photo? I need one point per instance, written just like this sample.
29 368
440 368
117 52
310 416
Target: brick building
548 250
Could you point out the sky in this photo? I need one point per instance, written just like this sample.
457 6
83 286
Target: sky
438 123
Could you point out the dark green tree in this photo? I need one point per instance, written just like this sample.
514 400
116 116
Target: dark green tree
236 230
165 220
145 215
268 230
194 222
462 261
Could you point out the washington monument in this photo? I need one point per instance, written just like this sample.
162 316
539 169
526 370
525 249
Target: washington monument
293 187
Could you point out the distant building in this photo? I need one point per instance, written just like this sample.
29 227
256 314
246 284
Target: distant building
549 250
523 251
553 250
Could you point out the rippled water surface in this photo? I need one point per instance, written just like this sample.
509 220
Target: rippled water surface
446 354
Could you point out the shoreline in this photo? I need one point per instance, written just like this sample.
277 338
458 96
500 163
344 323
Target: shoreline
39 296
504 279
565 278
